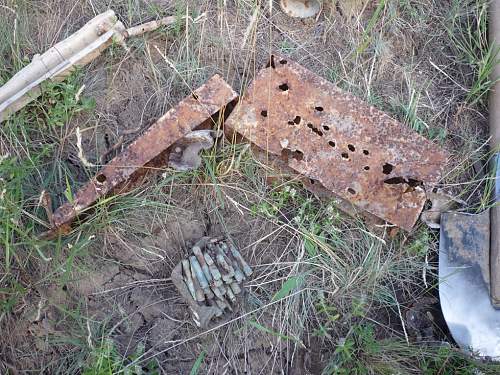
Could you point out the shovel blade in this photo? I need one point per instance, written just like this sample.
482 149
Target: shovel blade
464 282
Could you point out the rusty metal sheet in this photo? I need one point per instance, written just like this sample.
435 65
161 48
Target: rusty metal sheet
149 150
284 171
353 149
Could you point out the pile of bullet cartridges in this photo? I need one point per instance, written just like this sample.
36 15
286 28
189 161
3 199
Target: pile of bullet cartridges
214 274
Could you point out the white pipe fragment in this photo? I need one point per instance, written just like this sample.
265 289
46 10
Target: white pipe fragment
59 61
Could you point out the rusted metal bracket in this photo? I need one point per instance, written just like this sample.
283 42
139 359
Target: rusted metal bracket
148 152
351 148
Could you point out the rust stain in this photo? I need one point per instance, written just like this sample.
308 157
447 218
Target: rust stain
148 151
353 149
466 238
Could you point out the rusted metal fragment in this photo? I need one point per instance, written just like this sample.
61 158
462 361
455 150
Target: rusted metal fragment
284 171
185 153
328 135
148 151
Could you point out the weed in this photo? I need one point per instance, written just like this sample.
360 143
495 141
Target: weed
105 360
271 332
468 30
24 172
367 35
360 352
350 351
288 286
408 110
420 244
333 75
287 47
197 364
279 197
180 10
63 100
415 11
13 39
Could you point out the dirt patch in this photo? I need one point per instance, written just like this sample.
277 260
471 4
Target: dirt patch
125 287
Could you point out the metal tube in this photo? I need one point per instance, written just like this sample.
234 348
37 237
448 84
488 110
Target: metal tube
238 274
494 120
235 288
208 293
201 259
188 278
198 272
221 304
237 255
224 261
216 290
200 294
218 311
212 267
231 295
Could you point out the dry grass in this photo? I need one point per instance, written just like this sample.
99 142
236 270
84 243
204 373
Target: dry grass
103 295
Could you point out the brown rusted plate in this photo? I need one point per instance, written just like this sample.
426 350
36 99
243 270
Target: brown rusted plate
284 171
149 150
353 149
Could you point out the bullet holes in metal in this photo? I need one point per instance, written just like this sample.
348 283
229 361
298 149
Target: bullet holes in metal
283 87
387 168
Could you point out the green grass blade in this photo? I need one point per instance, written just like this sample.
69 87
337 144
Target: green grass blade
197 363
260 327
311 247
371 24
288 286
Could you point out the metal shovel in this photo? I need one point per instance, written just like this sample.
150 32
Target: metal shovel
469 250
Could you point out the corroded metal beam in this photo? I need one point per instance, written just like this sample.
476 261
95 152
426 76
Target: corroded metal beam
148 152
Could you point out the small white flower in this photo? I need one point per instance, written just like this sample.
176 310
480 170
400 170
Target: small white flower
3 157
